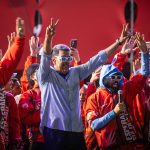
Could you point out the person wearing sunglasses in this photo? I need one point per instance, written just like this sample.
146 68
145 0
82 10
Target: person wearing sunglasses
61 121
109 112
141 103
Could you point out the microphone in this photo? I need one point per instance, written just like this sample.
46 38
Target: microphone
120 96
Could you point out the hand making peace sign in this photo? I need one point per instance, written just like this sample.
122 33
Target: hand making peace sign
50 31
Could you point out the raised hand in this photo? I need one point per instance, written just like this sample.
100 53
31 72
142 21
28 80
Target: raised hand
141 42
11 39
124 34
75 54
33 43
129 45
19 27
50 32
95 75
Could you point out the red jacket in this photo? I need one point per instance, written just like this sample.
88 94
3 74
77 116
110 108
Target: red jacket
89 134
8 64
119 60
24 81
10 60
29 111
12 127
90 138
13 119
146 92
102 102
141 104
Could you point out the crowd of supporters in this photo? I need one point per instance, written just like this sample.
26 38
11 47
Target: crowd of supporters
51 107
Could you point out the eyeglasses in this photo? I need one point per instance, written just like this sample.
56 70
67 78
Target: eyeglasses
115 77
65 59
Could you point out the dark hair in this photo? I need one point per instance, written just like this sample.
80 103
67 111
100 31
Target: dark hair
59 47
14 80
31 69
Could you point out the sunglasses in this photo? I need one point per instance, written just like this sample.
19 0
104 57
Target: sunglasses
65 59
115 77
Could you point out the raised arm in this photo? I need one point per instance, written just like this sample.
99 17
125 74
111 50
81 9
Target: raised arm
11 39
46 53
92 84
76 57
124 35
140 77
12 56
50 32
119 58
34 50
144 54
101 57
